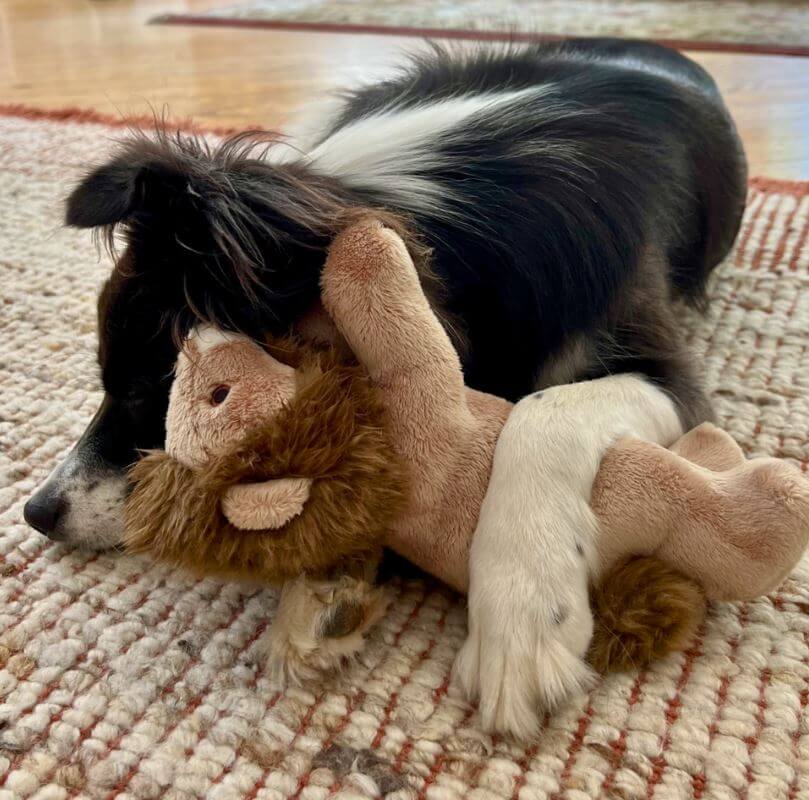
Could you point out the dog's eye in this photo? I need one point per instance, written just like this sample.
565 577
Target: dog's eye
219 395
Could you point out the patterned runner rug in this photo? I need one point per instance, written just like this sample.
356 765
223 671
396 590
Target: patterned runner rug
121 679
775 26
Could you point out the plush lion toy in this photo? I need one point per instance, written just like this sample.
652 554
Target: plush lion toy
298 447
287 461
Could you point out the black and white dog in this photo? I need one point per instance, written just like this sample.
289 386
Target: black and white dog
570 194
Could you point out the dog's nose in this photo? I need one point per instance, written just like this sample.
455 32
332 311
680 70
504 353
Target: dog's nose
42 514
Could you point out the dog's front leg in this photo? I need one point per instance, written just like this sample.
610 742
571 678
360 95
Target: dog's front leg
529 617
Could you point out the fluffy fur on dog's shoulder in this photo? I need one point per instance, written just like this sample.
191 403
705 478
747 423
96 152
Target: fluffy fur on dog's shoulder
334 432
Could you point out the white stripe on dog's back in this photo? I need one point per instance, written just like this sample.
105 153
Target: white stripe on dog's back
391 150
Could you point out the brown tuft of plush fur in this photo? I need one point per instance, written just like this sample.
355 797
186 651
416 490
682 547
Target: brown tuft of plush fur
643 610
334 431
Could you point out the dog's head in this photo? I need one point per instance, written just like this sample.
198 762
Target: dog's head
213 233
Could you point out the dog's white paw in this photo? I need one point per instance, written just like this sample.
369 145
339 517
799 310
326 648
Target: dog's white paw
533 550
320 626
524 656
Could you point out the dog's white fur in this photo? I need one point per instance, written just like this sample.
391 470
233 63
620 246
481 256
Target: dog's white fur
92 502
205 337
529 617
359 153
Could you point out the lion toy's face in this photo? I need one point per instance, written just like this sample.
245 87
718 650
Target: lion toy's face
225 387
245 423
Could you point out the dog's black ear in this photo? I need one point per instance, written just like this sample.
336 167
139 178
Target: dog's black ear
148 170
106 196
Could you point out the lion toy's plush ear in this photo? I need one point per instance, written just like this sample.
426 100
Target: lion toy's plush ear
277 463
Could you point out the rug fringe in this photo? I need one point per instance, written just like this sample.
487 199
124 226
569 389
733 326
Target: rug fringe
91 116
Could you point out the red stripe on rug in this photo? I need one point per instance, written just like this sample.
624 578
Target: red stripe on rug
90 116
393 700
239 609
460 33
75 569
781 186
86 730
45 694
782 243
752 211
753 741
673 709
800 242
799 188
357 700
227 769
618 747
191 751
765 235
441 759
796 735
700 780
576 743
303 726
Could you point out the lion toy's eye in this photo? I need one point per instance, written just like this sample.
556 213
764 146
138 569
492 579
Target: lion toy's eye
219 395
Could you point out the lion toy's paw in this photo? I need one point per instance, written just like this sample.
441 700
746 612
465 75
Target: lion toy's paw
320 626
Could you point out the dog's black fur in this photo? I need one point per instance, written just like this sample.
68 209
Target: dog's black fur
562 227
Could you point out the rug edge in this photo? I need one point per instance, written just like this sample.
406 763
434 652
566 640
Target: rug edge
92 117
794 186
750 48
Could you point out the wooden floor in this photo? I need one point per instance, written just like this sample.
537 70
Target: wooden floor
102 54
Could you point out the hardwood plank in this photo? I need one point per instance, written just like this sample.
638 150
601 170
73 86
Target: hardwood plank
102 54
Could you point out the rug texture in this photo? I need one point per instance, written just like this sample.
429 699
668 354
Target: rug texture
121 679
752 25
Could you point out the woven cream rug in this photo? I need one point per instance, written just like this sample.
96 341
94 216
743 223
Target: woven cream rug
118 679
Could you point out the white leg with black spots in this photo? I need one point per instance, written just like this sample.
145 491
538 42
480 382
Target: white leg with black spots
529 616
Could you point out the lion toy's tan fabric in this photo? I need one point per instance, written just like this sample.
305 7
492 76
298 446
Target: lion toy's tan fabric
270 470
405 457
737 526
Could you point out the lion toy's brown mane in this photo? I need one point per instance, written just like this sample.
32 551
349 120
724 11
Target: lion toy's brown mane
334 431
